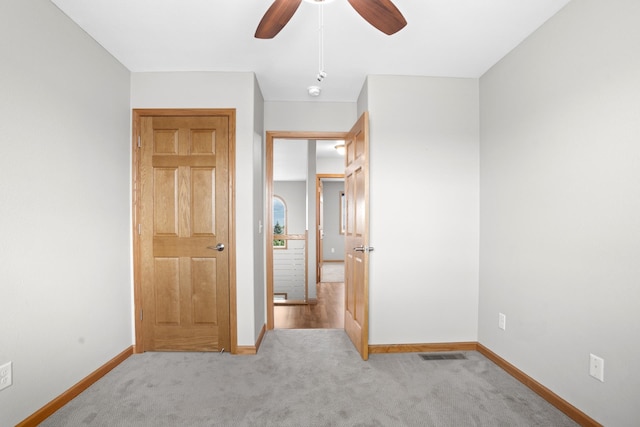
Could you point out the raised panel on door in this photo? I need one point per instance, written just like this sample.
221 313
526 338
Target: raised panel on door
167 295
349 254
203 201
165 196
203 285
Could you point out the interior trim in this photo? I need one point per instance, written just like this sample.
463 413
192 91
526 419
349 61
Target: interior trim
250 350
561 404
568 409
47 410
433 347
309 301
564 406
246 350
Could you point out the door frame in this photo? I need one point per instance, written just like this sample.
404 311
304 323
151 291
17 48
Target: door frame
270 137
137 115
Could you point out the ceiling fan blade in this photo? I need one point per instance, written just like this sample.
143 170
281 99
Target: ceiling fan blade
276 17
382 14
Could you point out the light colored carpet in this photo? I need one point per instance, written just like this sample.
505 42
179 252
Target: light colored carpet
332 272
307 378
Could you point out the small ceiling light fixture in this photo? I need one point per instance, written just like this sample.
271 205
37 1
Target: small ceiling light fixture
314 90
340 149
321 72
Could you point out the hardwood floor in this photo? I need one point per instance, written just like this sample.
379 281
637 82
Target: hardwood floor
328 313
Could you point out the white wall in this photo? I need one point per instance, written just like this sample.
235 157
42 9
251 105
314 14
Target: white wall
311 220
424 209
221 90
332 236
560 206
65 274
309 116
331 216
259 194
330 165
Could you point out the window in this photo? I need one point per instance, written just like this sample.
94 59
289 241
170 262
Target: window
279 221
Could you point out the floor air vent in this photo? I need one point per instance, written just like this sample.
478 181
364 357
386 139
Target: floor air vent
447 356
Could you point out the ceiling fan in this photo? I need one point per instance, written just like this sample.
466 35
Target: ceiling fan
382 14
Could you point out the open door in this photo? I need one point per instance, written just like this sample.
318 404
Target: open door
357 249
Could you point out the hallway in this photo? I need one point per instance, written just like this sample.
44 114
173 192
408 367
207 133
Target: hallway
328 313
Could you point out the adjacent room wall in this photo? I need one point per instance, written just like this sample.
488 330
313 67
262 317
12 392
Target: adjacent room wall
259 260
329 165
424 209
311 220
309 116
560 206
294 195
333 239
65 205
222 90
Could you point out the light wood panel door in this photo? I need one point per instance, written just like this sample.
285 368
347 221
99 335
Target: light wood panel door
184 204
356 319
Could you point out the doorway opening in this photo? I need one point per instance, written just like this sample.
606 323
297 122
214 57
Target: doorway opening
330 226
357 249
297 165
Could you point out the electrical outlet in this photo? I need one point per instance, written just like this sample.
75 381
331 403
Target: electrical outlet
502 321
5 376
596 367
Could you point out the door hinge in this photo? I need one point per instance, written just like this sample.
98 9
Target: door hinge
139 229
139 144
141 316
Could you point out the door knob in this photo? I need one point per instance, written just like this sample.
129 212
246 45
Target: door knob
219 247
363 249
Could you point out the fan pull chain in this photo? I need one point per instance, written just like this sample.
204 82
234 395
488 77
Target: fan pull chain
321 73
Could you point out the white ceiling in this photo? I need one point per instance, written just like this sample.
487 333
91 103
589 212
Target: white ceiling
451 38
